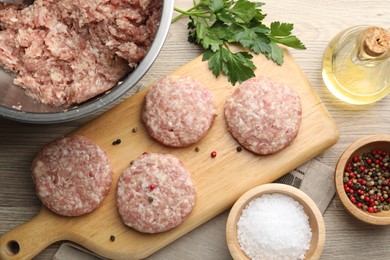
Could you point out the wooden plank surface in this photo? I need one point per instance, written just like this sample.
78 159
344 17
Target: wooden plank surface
316 22
219 181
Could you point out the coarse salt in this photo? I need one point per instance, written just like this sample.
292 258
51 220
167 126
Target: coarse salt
274 226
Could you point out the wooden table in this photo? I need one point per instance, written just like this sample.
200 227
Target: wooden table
316 22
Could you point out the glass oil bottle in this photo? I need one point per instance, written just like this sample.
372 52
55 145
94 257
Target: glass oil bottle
356 65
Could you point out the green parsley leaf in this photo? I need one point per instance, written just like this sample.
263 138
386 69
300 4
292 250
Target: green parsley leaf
207 38
215 61
281 33
244 11
276 54
238 65
214 24
216 5
254 38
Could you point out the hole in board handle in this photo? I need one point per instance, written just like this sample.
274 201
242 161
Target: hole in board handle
13 247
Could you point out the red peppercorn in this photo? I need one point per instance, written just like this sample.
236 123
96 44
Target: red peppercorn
152 186
363 193
213 154
144 153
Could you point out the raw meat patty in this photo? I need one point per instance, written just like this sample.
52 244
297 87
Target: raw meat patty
155 193
72 175
263 115
178 111
66 52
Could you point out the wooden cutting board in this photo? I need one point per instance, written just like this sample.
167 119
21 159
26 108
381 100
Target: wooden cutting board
219 181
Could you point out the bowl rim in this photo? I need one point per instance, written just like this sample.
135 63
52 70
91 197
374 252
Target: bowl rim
272 188
115 93
351 150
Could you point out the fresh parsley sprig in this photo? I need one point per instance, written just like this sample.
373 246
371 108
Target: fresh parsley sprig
215 24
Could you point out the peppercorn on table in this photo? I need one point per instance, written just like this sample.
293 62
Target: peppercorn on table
315 23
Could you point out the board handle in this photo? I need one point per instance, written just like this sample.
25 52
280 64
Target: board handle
29 239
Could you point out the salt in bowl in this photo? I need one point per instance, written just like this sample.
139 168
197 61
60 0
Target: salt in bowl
316 221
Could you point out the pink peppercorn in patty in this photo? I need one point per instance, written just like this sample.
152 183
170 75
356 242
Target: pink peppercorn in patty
156 193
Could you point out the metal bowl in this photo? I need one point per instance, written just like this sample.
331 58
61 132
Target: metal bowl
16 105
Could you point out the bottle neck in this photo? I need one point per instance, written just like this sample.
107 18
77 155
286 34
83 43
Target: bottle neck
372 46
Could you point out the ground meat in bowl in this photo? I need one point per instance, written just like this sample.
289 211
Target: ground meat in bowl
66 52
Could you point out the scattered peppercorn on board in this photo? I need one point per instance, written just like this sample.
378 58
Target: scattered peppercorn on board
220 178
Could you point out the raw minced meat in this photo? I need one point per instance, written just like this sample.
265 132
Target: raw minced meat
178 111
72 175
156 193
66 52
263 115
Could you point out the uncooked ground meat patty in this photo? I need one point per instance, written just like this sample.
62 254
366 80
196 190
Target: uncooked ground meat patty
263 115
155 193
178 111
66 52
72 175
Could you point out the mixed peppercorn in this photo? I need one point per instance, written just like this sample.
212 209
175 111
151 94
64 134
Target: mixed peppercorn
367 181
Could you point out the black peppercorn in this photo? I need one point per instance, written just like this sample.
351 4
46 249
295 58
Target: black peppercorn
117 141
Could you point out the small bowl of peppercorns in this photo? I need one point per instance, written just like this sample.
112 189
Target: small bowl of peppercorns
362 179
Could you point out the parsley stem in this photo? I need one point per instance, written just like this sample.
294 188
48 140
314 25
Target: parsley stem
189 12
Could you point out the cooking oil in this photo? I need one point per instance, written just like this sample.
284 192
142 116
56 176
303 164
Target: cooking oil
354 69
